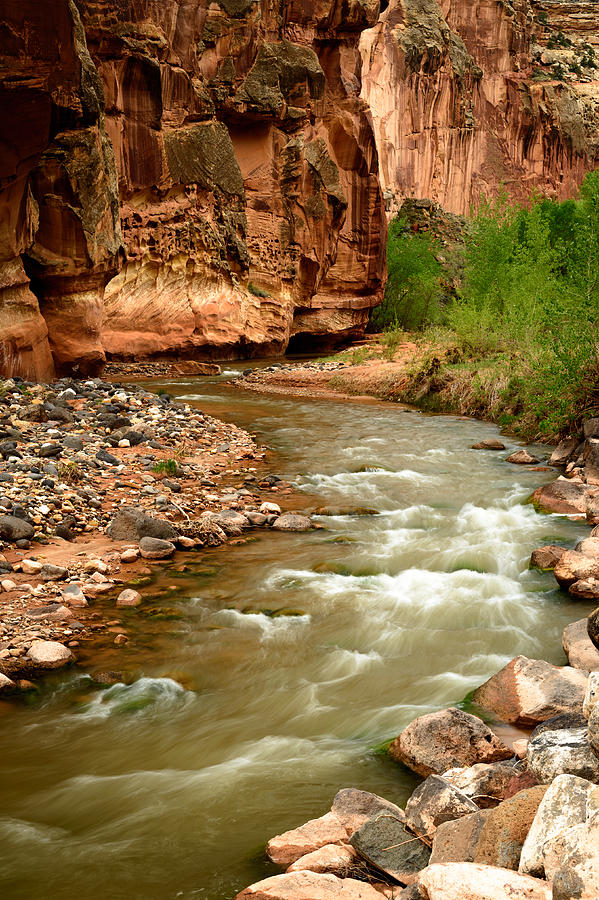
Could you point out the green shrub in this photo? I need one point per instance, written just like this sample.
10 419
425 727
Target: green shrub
166 467
257 291
414 288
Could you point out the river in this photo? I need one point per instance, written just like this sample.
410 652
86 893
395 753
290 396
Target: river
279 666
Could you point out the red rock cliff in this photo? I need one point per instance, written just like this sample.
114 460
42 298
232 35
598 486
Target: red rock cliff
467 95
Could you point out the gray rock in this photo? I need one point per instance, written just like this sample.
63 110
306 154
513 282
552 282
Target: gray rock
434 802
562 752
105 456
354 808
563 806
292 522
73 442
49 654
74 596
231 521
488 444
132 524
385 843
13 528
52 573
155 548
564 450
49 450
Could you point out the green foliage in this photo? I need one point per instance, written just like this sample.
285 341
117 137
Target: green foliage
166 467
257 291
414 288
531 291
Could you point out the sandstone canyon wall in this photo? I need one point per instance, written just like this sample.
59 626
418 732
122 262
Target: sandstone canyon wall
206 177
188 177
469 95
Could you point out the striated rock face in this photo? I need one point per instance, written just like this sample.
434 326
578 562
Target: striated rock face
59 224
466 97
248 173
205 177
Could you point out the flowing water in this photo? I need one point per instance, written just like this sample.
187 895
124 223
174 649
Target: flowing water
280 665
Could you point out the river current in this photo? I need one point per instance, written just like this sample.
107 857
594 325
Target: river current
278 667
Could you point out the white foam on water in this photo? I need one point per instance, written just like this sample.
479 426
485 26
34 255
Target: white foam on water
145 696
267 627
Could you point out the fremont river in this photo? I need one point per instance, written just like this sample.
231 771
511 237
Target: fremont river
274 669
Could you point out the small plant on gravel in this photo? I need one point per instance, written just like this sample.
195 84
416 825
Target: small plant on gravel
70 472
183 451
166 467
359 355
391 340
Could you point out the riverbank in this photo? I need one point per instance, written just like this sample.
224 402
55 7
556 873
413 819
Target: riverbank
100 484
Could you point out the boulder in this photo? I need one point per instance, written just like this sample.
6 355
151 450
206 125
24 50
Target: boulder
578 647
336 859
488 444
132 524
471 881
564 450
562 496
557 723
523 458
487 783
435 801
575 566
443 740
457 840
591 460
563 806
593 628
292 522
309 886
73 596
49 572
128 597
562 752
231 521
49 654
589 546
385 843
14 529
286 848
546 558
350 810
506 827
528 691
592 695
575 863
155 548
354 807
585 589
6 684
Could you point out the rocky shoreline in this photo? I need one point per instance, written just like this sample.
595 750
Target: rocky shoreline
100 482
493 817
